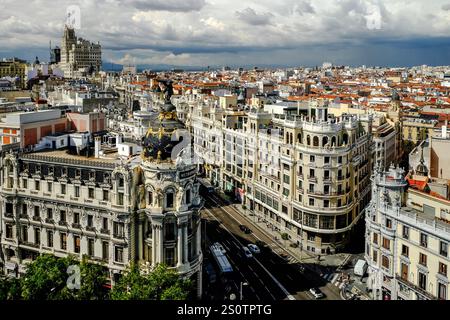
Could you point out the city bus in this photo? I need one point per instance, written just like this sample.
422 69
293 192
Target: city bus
225 269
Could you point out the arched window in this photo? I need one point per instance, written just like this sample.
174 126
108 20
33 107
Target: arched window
316 141
324 141
188 196
333 141
170 195
345 139
299 138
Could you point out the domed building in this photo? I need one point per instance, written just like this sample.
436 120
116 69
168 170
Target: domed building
169 202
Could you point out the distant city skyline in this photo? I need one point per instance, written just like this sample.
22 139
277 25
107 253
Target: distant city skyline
198 33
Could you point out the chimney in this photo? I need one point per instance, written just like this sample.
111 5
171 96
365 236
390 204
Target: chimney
97 144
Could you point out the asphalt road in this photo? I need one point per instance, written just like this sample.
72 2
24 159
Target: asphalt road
269 276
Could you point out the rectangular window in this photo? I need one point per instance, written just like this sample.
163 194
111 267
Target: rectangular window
405 232
90 221
91 247
105 195
62 216
385 262
286 178
37 236
105 250
37 185
169 200
422 281
170 257
9 231
388 223
105 224
404 271
50 239
91 193
49 186
423 259
24 233
77 191
327 160
119 231
169 231
423 240
442 291
63 189
76 217
120 199
442 268
386 243
443 249
49 213
118 254
76 244
375 256
311 202
375 238
63 241
25 183
405 251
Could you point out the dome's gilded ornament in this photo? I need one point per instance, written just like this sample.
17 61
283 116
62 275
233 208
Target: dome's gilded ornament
158 142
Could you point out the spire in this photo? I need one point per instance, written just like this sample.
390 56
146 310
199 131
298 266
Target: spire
422 169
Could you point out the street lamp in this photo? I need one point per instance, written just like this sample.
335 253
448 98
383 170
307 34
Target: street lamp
240 289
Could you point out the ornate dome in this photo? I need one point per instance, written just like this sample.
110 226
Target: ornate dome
422 169
164 132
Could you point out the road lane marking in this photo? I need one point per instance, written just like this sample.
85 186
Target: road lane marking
232 216
335 278
289 296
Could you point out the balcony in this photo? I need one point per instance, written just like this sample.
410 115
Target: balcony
312 178
49 221
119 236
76 225
37 218
9 215
415 288
104 231
23 216
91 229
62 223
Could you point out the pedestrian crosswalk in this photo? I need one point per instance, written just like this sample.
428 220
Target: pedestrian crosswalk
335 279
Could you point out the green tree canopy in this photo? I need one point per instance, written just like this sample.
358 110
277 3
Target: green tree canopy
160 284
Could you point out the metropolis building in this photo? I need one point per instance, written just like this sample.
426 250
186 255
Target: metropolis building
114 210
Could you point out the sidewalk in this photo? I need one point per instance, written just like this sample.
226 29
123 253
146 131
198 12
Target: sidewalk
302 256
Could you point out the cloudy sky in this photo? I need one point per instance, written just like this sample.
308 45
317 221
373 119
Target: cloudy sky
237 32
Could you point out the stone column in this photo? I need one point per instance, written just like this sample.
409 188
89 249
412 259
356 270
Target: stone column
154 240
185 243
179 245
161 244
198 245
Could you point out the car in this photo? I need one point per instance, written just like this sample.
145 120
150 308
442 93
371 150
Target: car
220 247
254 248
316 293
247 252
244 229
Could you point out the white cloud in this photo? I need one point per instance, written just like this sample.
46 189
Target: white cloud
205 31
